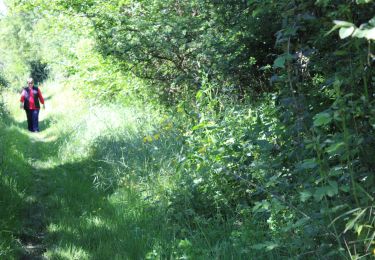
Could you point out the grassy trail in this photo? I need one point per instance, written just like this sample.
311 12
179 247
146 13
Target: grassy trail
64 216
103 183
33 231
56 197
53 191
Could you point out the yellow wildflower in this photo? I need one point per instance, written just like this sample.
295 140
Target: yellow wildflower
147 139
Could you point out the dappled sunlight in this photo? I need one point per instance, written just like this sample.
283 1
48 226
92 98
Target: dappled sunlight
96 222
68 252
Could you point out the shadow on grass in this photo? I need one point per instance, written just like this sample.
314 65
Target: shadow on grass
81 222
27 148
11 203
116 223
95 224
61 201
15 179
44 124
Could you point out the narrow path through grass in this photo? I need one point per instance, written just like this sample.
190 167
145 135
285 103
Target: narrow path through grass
103 183
33 231
65 214
57 197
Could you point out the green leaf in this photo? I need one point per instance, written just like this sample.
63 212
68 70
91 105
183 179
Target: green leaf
279 62
319 194
197 181
343 23
264 145
333 188
358 230
323 191
345 188
353 221
322 118
268 246
365 33
345 32
329 190
305 195
261 206
257 11
307 164
301 222
363 1
370 34
271 246
335 148
360 33
258 246
339 24
204 124
199 94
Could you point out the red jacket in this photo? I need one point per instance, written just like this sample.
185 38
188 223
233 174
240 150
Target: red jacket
32 103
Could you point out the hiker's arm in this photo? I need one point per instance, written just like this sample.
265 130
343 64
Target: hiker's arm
41 98
22 99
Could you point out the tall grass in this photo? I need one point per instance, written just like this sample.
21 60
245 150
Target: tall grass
79 169
14 179
107 181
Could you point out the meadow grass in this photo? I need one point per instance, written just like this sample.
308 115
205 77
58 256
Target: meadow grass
72 168
98 182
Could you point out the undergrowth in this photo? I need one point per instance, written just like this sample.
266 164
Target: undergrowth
208 180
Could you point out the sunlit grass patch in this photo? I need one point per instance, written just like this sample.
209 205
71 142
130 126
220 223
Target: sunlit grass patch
96 222
55 228
68 252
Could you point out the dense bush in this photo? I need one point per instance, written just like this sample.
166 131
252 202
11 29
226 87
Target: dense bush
38 71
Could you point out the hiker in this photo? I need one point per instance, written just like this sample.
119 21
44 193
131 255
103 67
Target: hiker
31 98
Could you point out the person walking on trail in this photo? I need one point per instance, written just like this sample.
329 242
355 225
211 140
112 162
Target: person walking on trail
31 98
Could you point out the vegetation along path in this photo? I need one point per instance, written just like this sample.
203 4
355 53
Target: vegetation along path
70 209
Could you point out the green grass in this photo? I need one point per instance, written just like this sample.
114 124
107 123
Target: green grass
72 168
14 179
101 183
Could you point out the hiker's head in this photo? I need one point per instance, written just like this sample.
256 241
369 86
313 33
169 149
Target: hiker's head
30 82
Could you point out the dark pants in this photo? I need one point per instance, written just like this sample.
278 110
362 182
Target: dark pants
32 120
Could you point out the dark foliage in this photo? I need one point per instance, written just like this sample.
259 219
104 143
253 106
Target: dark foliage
38 71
